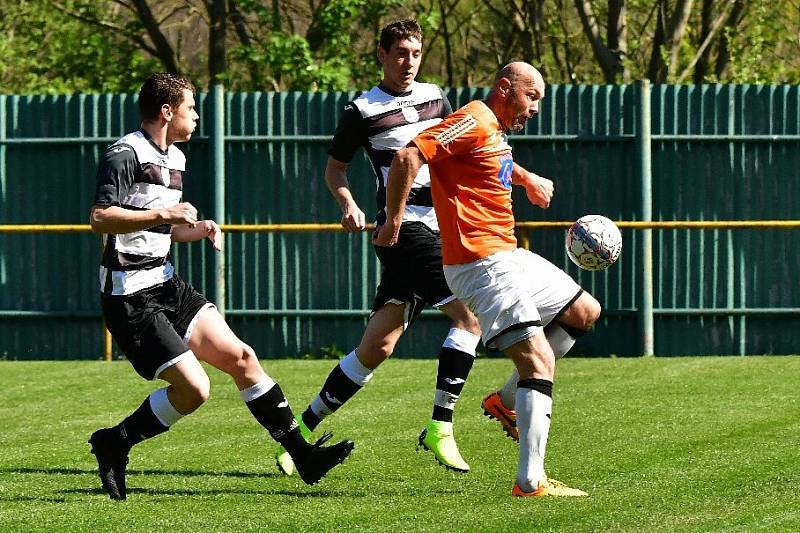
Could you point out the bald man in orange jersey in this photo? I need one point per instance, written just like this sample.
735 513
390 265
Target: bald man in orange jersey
527 307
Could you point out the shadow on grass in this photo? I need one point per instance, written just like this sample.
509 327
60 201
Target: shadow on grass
144 472
266 491
301 492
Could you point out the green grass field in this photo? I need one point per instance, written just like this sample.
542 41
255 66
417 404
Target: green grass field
679 444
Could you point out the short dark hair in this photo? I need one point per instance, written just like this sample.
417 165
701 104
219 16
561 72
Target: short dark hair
399 30
159 89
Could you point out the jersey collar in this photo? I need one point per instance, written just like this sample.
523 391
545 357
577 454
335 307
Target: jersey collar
396 94
152 143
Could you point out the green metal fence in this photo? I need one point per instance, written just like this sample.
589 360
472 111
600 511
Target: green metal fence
715 153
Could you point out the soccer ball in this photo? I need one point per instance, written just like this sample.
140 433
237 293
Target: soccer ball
593 242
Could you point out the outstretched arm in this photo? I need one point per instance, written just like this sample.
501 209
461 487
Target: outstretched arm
538 188
405 165
204 229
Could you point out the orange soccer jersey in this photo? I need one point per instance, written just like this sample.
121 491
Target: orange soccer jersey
470 164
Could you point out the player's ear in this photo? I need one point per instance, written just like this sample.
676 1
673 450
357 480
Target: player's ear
166 112
505 86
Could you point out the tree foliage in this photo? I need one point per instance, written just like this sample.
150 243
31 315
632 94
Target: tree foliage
52 46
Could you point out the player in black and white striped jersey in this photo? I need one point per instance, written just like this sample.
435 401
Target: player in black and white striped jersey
382 121
161 323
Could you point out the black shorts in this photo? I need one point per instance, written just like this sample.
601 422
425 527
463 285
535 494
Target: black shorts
412 270
150 325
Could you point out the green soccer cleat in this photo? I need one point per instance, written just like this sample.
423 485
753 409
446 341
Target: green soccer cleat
438 438
283 460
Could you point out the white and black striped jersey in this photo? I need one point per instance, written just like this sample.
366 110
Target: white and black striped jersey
383 121
134 173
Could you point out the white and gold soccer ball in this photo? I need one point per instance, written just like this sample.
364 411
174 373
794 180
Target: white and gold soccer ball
593 242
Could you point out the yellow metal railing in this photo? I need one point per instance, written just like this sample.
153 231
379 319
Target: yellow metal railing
264 228
524 240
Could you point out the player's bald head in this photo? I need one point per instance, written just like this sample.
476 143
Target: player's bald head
519 71
514 98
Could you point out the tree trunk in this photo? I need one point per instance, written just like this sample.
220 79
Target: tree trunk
217 11
448 52
723 53
609 56
164 50
701 67
675 31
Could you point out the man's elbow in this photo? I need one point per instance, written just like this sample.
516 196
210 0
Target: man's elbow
410 157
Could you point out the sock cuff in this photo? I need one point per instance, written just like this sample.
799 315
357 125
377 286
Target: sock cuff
461 340
544 386
259 389
354 370
163 408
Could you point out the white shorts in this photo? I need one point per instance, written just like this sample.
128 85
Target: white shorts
514 294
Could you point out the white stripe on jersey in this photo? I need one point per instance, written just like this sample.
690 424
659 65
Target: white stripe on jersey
376 102
398 137
144 243
152 196
457 130
130 281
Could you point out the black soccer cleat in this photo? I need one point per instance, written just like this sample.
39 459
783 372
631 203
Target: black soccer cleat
321 459
112 459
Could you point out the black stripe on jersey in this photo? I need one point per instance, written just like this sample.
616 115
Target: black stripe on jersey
420 196
380 159
111 260
151 173
377 124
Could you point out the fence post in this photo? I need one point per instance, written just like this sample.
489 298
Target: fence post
643 140
3 149
217 149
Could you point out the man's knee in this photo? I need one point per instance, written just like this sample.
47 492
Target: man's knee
192 393
462 317
582 314
372 351
238 359
591 313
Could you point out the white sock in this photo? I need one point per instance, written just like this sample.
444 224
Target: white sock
163 408
355 370
533 422
560 341
256 391
508 394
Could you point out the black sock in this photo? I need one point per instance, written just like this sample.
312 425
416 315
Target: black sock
272 411
140 425
336 391
454 367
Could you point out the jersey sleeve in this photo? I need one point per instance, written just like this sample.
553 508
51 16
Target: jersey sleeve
349 135
459 133
115 175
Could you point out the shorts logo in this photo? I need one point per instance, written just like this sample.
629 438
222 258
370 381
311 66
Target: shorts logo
506 169
457 130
